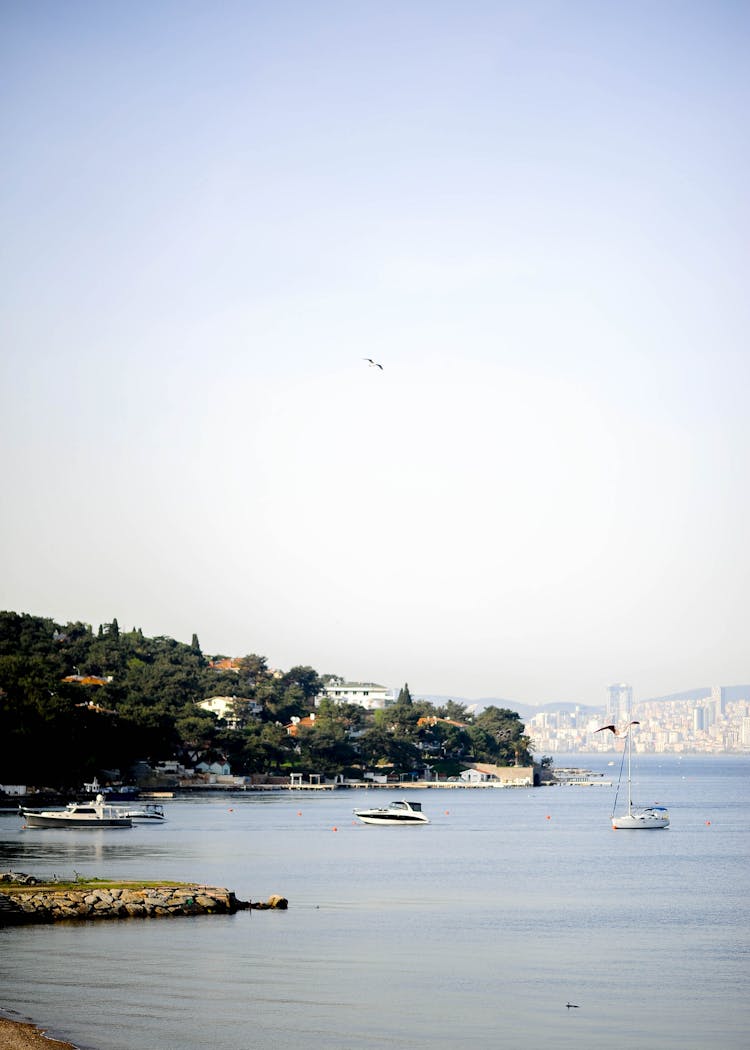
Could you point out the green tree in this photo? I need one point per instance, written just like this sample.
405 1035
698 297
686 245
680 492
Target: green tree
404 715
264 748
306 680
196 731
253 666
220 683
455 710
22 634
379 745
325 747
350 716
282 699
506 731
404 696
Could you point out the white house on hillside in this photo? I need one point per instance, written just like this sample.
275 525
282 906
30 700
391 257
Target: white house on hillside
224 707
366 694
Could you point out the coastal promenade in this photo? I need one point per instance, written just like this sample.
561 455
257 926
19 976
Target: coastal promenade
499 777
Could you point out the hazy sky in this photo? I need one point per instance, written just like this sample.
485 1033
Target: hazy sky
534 214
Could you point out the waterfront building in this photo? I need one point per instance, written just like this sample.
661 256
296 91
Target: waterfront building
508 776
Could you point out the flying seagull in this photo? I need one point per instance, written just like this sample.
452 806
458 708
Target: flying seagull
373 364
615 730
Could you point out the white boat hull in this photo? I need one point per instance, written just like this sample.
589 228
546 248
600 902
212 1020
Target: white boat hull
64 820
641 820
385 818
147 814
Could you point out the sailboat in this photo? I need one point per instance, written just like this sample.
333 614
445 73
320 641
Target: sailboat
636 818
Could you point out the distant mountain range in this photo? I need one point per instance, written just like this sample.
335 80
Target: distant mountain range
526 711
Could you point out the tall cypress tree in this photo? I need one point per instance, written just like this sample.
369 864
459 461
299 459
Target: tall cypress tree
404 696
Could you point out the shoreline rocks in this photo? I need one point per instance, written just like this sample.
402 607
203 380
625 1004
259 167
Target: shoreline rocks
47 904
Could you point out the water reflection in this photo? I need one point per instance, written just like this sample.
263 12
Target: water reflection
52 851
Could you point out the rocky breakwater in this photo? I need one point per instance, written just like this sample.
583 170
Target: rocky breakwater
44 904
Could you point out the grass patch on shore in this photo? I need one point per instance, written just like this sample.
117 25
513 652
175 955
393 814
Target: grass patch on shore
93 884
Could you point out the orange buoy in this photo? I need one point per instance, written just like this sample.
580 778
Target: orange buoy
335 829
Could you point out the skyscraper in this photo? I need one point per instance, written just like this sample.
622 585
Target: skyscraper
619 703
719 700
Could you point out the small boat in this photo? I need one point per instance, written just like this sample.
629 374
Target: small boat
94 814
396 813
149 811
636 818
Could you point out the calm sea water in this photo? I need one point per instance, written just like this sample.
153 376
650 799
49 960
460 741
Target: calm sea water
475 930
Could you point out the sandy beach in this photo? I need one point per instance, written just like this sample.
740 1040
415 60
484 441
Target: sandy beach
17 1035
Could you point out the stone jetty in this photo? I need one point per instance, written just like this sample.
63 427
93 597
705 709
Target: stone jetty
43 904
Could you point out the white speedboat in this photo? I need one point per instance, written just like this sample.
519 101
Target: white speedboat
635 818
94 814
396 813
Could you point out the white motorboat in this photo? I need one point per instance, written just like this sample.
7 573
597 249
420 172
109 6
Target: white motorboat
396 813
636 818
148 812
96 814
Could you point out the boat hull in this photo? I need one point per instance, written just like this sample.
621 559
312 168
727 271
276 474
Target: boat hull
389 818
147 815
646 820
52 820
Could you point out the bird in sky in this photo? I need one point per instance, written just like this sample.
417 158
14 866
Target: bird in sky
574 1006
373 364
615 730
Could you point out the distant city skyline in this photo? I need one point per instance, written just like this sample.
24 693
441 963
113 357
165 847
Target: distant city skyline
736 691
537 223
712 724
